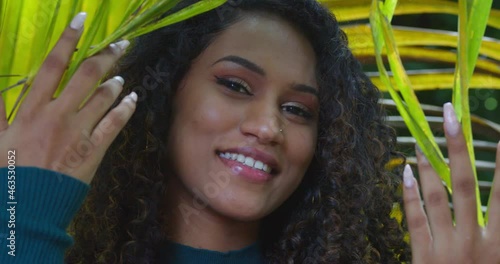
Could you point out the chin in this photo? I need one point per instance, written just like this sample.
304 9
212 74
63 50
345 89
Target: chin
241 209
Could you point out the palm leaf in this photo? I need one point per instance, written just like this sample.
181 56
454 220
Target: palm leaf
359 36
414 118
429 55
469 43
107 22
425 80
349 10
10 40
472 25
184 14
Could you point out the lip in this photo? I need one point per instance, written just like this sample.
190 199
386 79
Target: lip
256 154
251 174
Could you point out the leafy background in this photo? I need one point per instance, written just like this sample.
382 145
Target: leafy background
425 37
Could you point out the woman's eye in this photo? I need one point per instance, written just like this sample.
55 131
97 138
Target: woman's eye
235 85
298 111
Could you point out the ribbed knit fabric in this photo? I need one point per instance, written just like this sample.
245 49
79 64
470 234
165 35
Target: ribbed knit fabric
180 254
46 201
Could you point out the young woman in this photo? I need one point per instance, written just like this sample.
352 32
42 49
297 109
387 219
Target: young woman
253 136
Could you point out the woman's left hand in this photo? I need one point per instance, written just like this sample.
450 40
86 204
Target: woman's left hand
435 236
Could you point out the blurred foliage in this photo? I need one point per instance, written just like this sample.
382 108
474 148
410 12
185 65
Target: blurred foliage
392 36
30 28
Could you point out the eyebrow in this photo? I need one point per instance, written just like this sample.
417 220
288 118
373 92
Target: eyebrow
257 69
243 62
306 89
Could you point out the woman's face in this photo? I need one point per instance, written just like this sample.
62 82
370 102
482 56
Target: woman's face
227 151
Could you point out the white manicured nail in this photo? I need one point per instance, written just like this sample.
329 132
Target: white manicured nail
120 46
123 44
77 22
450 120
133 96
408 179
119 79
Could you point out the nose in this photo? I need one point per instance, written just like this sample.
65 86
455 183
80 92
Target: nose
263 123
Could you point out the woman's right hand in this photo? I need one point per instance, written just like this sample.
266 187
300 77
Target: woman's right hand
436 235
57 134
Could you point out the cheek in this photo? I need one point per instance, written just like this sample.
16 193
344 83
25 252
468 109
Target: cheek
300 151
204 116
198 123
302 147
214 118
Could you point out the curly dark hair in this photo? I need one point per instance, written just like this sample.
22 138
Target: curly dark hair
342 209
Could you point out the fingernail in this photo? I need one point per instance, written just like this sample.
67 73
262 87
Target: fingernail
120 46
133 96
450 120
123 44
408 179
77 22
119 79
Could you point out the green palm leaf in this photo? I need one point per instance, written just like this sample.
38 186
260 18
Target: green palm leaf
24 28
471 33
472 25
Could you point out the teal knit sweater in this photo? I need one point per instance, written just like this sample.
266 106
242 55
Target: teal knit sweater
37 207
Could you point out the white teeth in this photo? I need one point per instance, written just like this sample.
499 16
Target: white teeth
248 161
258 165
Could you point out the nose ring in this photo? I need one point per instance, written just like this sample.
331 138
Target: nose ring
281 130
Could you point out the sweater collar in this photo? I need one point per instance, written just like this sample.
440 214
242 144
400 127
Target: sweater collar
175 253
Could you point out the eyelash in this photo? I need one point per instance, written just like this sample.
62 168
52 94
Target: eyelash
237 86
240 86
298 111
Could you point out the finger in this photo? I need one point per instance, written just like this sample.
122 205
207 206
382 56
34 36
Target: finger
54 66
494 203
435 199
3 117
89 74
420 234
109 127
101 101
462 176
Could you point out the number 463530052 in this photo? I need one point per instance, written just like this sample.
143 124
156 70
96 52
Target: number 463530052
11 174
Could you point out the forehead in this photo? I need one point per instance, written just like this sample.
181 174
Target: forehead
270 42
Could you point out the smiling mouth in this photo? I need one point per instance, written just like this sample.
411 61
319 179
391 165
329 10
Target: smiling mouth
247 161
